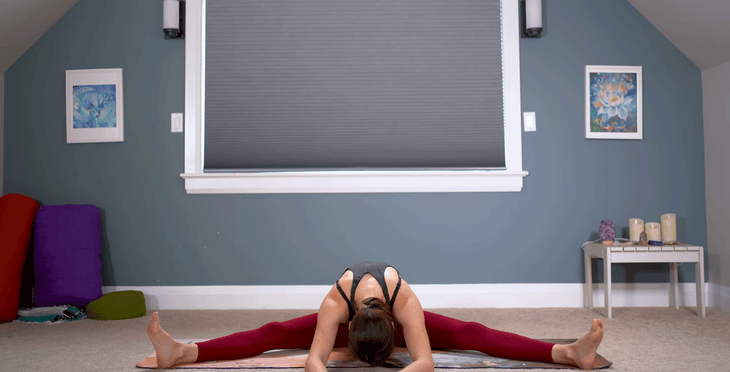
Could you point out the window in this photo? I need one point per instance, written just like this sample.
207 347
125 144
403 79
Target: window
200 180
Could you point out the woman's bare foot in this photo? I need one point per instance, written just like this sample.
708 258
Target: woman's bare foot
169 352
586 347
581 353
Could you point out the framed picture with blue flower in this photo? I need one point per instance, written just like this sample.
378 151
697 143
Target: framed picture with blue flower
94 106
614 102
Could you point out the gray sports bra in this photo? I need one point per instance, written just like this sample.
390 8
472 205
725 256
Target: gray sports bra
377 270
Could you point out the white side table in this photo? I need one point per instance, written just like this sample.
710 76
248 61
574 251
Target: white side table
671 254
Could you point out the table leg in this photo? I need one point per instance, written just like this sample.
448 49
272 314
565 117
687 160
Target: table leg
673 285
700 279
588 290
607 280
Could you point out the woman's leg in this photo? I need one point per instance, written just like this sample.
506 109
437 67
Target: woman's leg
296 333
449 333
292 334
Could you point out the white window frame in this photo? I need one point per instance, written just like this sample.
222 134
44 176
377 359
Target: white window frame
199 182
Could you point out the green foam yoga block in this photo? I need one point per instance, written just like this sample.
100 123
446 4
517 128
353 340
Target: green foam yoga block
117 305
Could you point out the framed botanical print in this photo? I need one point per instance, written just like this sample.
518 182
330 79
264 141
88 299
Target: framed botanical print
94 106
614 102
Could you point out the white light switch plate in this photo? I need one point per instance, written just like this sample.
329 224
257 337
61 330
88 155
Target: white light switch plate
530 121
177 122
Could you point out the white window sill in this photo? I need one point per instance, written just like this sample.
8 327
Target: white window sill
353 182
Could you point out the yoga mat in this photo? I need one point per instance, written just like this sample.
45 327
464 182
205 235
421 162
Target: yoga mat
341 358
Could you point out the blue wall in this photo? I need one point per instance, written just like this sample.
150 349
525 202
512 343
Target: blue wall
156 234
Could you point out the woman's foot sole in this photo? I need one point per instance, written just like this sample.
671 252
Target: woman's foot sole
168 351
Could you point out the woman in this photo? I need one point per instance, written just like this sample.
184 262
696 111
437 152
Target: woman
371 309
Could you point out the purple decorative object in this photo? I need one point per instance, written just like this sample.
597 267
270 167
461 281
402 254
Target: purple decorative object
607 231
67 255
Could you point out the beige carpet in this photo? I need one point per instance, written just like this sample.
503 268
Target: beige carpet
636 339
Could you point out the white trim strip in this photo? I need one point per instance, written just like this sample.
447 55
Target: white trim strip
511 86
431 296
194 78
354 182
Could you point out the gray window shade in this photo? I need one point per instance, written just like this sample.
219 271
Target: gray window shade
343 84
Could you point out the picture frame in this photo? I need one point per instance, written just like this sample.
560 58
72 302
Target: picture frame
94 106
613 102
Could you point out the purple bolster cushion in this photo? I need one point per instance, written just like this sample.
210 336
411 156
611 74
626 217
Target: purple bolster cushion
67 255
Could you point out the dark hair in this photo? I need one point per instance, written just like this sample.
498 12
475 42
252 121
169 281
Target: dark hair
372 332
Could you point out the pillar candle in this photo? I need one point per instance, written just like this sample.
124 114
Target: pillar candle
636 227
654 231
669 227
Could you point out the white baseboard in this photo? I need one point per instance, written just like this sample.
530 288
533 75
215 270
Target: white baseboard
432 296
719 297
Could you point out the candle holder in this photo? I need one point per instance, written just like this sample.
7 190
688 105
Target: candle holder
636 227
654 232
669 228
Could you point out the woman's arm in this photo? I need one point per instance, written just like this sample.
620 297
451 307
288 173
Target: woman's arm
329 318
409 313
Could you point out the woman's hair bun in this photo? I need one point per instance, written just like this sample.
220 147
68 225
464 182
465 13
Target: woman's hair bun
375 303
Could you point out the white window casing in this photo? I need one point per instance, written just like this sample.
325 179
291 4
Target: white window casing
349 181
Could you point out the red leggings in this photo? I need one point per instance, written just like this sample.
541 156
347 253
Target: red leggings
443 333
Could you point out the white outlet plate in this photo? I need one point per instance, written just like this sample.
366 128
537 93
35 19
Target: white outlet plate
176 121
530 121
